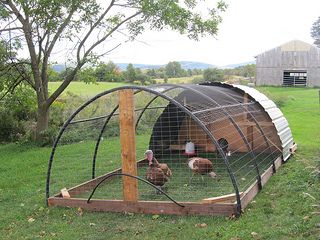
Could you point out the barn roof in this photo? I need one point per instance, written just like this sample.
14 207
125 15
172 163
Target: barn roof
293 46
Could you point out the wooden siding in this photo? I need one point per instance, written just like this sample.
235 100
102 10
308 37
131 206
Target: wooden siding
271 64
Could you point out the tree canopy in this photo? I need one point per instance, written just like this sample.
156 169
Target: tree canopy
315 32
213 75
173 69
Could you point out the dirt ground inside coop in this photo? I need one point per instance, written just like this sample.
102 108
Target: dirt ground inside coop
181 187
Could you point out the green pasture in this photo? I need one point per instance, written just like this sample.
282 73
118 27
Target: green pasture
86 89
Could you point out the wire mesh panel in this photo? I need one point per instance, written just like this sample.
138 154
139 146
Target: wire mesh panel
192 142
73 156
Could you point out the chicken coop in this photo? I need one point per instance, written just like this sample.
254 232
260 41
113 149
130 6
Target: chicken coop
221 143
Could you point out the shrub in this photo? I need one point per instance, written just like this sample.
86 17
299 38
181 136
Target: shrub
17 112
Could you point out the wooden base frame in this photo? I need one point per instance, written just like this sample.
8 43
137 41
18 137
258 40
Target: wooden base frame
222 208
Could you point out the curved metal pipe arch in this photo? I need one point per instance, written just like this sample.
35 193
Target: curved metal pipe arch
141 88
235 125
253 118
94 159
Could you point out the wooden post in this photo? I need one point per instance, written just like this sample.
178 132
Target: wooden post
128 144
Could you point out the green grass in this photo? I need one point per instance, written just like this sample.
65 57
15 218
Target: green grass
86 90
180 80
282 210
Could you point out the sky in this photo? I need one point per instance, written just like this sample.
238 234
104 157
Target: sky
249 27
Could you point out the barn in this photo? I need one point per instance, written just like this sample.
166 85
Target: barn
295 63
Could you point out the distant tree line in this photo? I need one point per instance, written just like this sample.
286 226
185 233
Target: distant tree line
110 72
219 75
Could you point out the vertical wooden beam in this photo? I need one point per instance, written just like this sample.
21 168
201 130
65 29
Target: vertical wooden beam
128 144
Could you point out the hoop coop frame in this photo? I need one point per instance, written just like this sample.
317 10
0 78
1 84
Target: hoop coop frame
213 147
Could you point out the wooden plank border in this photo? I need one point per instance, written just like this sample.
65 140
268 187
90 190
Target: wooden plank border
253 190
158 207
146 207
89 185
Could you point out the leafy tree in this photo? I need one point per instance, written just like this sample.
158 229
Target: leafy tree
17 103
142 77
248 70
45 26
53 76
152 73
315 32
173 69
108 72
213 75
131 75
87 75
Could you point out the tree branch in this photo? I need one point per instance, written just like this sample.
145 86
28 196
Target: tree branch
10 29
63 85
92 28
109 33
82 61
16 82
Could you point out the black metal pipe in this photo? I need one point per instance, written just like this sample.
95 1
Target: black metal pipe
256 122
147 106
183 108
99 140
239 131
132 176
103 129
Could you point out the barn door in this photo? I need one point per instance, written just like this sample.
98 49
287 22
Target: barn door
294 78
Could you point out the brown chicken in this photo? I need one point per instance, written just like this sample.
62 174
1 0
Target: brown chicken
156 176
157 173
201 166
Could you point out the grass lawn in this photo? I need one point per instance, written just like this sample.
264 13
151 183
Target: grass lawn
284 209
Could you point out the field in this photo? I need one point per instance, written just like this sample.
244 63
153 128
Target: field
180 80
86 90
286 208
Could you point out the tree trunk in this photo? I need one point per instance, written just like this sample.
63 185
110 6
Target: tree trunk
42 121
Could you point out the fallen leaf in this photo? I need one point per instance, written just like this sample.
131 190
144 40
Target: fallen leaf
129 214
306 218
154 217
201 225
80 211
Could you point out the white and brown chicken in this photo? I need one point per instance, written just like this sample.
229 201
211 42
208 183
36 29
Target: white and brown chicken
157 173
202 166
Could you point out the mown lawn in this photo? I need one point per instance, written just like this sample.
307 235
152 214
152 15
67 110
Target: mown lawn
285 208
